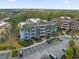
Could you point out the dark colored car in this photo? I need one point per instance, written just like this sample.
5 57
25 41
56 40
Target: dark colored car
60 40
49 41
20 53
64 49
52 56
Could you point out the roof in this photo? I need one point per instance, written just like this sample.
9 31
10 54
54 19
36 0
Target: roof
2 23
65 17
37 21
22 23
34 19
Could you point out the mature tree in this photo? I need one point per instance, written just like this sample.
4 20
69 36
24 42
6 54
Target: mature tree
69 53
72 43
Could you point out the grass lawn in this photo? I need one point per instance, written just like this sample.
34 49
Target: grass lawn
26 43
37 40
9 43
76 33
13 43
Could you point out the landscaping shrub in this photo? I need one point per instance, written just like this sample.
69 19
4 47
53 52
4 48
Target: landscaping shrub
3 47
68 32
26 43
63 57
11 47
37 40
15 53
62 33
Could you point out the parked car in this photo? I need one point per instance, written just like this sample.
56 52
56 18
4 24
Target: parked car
49 41
64 49
77 37
20 53
60 40
52 56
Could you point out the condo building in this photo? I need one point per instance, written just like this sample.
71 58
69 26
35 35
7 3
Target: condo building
68 24
64 23
36 28
74 25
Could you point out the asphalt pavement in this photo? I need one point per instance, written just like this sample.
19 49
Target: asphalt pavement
55 48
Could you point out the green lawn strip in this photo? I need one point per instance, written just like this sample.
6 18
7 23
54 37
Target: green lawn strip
34 41
64 33
54 39
76 33
26 43
37 40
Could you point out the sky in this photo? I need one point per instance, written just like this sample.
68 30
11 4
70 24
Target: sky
40 4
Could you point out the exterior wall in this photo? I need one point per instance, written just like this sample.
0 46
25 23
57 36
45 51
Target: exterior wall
54 28
67 25
22 34
33 32
29 34
74 25
40 30
77 26
64 25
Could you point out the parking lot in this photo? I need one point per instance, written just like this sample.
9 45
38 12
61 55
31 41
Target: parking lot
38 51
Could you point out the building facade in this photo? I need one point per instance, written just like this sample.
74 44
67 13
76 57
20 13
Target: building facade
37 28
74 25
68 24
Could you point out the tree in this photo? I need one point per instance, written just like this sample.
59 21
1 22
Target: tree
72 43
69 53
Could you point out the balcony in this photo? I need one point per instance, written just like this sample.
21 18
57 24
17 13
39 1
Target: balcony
42 34
42 31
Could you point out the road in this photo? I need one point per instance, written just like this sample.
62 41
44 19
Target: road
39 51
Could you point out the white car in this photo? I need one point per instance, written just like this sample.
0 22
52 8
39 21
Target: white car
20 53
52 56
68 36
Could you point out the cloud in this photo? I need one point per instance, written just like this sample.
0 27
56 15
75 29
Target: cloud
11 0
66 1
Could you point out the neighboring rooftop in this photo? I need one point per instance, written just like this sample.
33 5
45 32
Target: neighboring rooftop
2 23
65 17
37 21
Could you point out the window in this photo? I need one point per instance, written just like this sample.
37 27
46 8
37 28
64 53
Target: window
42 29
33 37
33 30
32 27
21 29
25 33
42 33
26 37
42 26
33 34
